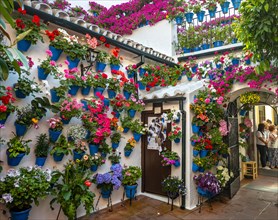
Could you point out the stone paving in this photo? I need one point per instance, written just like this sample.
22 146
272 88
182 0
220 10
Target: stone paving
257 199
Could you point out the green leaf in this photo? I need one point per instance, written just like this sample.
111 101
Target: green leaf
16 67
9 54
21 56
266 6
67 195
22 36
4 70
6 15
2 23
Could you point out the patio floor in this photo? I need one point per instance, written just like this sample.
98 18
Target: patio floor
257 199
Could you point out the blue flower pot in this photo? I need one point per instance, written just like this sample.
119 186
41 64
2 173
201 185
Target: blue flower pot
85 90
73 63
130 74
218 43
195 167
115 145
105 193
54 96
127 153
126 130
189 17
103 155
142 71
179 20
117 113
131 113
205 46
248 62
200 133
218 66
212 13
66 121
211 76
21 215
200 16
201 169
236 4
19 94
41 74
234 40
130 191
195 128
40 161
54 135
111 94
194 68
3 121
204 193
98 89
106 102
177 140
100 66
195 49
203 153
114 67
225 7
23 45
88 135
14 161
73 90
242 112
58 157
177 163
127 94
186 50
193 143
136 136
93 148
94 168
20 130
56 53
77 156
141 85
85 104
195 153
235 61
189 78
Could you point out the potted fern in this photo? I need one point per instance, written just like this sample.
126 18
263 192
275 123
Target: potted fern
41 149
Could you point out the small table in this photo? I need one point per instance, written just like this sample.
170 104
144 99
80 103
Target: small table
250 169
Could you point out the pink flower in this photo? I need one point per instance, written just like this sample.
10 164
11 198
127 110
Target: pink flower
66 62
49 53
52 63
207 100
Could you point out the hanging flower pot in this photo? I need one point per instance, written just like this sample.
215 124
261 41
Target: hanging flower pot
130 74
130 191
105 193
114 67
98 89
65 121
93 148
218 66
23 45
201 169
126 130
14 161
195 153
106 102
218 43
189 17
56 53
186 50
54 135
54 96
234 40
242 112
141 85
127 153
225 7
58 157
212 13
103 155
126 94
88 135
177 140
236 4
195 128
204 193
20 130
85 104
116 113
111 93
100 66
40 161
248 62
205 46
177 163
195 167
73 63
131 113
200 16
41 74
3 121
203 153
94 168
136 136
19 94
77 155
85 90
20 215
189 78
194 68
195 49
235 61
179 20
73 90
115 145
193 143
142 71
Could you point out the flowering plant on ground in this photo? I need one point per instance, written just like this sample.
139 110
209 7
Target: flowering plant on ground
131 143
26 86
55 124
62 146
115 57
71 189
110 180
137 126
173 186
6 102
135 104
49 66
100 80
175 133
208 183
70 108
31 27
169 157
130 175
223 175
20 188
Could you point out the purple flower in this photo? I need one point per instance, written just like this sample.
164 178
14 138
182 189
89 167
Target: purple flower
7 197
106 178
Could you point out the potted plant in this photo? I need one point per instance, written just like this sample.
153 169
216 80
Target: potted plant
197 9
113 87
104 149
20 188
211 6
135 105
118 104
24 87
108 181
101 60
17 149
170 158
131 143
115 139
174 115
115 60
76 132
129 88
7 99
92 162
207 184
41 149
131 175
126 123
223 175
131 70
99 83
86 83
55 128
60 148
79 150
175 135
115 157
137 129
71 188
58 92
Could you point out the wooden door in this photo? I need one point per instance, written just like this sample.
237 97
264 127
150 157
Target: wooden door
153 172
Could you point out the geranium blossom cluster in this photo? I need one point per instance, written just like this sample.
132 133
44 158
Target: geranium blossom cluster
175 133
55 123
70 107
6 101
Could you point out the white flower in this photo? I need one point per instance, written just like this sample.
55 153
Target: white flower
7 197
219 168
